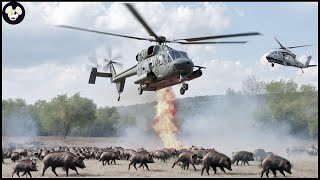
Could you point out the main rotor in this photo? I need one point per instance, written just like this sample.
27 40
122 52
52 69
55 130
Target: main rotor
161 39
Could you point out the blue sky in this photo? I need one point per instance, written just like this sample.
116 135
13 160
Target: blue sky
42 61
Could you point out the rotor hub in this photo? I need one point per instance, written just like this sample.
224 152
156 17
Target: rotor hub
161 39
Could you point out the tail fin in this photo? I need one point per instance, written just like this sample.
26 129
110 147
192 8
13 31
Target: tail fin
308 60
94 73
113 72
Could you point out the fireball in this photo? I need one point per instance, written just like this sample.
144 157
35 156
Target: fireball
164 123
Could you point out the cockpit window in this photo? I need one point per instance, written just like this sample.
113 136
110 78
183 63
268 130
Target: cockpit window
177 54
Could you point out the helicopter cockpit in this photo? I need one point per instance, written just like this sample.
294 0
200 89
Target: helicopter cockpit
178 54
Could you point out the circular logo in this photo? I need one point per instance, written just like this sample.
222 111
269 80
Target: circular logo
13 12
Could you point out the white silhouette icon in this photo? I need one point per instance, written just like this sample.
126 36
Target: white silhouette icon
13 13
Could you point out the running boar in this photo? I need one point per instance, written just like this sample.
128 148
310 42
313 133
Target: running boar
141 157
24 166
215 159
109 155
186 158
63 159
15 156
243 156
273 163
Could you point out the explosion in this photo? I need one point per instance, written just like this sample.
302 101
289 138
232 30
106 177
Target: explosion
164 122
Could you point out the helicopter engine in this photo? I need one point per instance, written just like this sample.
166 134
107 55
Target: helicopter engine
152 50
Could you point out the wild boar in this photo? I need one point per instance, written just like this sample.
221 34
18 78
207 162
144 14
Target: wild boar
160 154
140 157
259 154
63 159
109 155
127 153
186 158
273 163
15 156
24 166
215 159
243 156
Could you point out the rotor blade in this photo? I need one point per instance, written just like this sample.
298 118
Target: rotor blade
282 47
218 42
117 57
109 51
119 64
100 32
140 19
220 36
301 46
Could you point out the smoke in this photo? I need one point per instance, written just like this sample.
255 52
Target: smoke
20 128
227 124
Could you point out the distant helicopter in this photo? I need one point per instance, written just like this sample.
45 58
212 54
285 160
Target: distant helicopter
159 65
287 58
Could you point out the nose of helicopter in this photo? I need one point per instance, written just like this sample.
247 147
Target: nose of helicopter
184 65
269 57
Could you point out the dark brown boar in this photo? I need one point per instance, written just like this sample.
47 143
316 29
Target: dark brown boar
186 158
109 156
140 157
127 153
63 159
215 159
273 163
243 156
24 166
160 154
15 156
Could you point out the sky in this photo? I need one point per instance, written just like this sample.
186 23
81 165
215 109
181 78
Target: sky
41 61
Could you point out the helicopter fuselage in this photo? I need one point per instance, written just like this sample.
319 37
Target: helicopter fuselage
284 57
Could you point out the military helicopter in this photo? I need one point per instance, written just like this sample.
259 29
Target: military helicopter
287 58
159 66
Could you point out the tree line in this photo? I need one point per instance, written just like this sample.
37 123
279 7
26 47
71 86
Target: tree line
285 103
61 116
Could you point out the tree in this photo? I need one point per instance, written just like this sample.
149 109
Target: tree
231 92
62 114
251 86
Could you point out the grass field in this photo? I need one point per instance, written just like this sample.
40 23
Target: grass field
304 166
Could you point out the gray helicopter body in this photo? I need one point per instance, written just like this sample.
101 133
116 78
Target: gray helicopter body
287 58
159 65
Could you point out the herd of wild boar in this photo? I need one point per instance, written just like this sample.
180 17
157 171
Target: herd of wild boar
74 157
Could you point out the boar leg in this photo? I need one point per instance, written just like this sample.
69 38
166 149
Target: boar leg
54 170
281 171
13 173
222 169
262 172
267 173
44 169
175 162
247 163
75 169
129 166
214 169
147 166
274 173
134 165
18 174
207 170
67 171
114 161
194 167
29 174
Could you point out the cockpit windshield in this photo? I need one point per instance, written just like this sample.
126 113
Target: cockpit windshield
178 54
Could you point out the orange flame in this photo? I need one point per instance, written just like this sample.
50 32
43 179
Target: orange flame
164 122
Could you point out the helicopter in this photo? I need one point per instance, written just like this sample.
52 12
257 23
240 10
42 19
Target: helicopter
159 66
285 57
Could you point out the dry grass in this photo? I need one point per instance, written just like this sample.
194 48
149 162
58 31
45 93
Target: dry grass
304 167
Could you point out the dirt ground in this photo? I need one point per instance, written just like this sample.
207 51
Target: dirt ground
303 167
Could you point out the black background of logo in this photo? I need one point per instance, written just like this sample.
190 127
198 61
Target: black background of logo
14 5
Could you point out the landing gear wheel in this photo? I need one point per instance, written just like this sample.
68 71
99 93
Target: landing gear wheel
272 65
182 91
140 90
119 98
185 86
